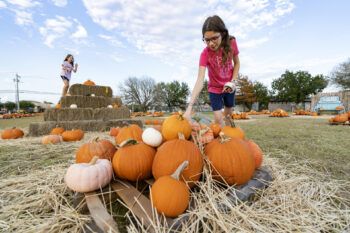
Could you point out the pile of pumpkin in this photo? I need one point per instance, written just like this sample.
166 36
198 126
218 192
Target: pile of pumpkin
262 112
59 134
240 116
340 118
302 112
153 122
279 113
170 155
16 115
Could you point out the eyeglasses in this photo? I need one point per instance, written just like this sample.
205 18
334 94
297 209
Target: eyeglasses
212 39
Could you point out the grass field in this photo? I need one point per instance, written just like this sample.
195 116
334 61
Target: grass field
307 141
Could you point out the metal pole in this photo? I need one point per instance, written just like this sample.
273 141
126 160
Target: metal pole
16 80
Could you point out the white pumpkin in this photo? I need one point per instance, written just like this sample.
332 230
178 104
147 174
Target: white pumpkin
51 139
93 95
152 137
87 177
109 106
73 106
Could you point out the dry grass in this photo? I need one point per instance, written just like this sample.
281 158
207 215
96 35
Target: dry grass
310 191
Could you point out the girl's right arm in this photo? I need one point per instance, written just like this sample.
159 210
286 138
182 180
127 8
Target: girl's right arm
196 90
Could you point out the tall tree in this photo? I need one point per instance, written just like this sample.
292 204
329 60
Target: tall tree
340 75
172 94
203 97
296 87
262 95
138 91
245 91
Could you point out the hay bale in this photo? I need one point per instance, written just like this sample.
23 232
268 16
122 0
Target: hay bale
68 114
117 101
42 128
80 89
86 101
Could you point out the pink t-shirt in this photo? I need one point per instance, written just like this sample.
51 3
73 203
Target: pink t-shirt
218 73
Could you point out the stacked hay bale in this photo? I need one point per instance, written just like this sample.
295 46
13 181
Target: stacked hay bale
90 108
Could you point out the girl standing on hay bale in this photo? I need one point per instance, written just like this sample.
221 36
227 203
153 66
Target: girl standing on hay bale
66 72
220 56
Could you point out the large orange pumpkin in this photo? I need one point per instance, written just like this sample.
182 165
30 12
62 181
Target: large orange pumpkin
103 149
341 118
230 160
13 133
176 124
256 151
72 135
233 131
169 195
57 131
132 131
172 153
133 160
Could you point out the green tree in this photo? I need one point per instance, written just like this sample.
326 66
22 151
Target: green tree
245 91
296 87
172 94
261 93
340 75
203 97
10 105
25 104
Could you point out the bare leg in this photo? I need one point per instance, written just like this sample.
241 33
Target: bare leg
218 117
65 87
227 113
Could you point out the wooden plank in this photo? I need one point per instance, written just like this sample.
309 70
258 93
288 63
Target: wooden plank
99 213
139 204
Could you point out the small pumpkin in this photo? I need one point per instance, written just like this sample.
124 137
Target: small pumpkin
256 151
87 177
72 135
133 160
172 153
51 139
130 131
204 135
58 106
152 137
74 106
89 83
103 149
169 195
230 160
57 131
216 128
13 133
114 131
232 131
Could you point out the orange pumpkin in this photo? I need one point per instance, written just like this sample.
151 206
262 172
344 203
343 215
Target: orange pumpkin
172 153
176 124
233 131
204 135
103 149
133 160
58 106
89 83
341 118
13 133
256 151
132 131
57 131
72 135
169 195
216 128
230 160
114 131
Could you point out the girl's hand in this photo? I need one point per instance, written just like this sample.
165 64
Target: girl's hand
187 114
76 65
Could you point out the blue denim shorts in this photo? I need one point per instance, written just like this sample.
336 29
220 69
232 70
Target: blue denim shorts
217 101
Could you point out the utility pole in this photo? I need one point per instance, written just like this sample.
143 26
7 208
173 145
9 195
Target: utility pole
16 80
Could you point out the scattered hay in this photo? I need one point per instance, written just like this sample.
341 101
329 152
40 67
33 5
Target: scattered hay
80 89
299 199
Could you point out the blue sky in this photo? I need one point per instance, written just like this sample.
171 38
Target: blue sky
113 40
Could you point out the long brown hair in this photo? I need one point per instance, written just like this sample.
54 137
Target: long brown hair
66 59
215 24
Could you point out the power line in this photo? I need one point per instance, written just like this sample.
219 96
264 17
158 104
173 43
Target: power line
30 92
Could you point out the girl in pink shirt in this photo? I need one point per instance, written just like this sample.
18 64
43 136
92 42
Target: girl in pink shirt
221 58
66 72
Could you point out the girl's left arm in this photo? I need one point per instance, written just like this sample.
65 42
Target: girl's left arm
236 67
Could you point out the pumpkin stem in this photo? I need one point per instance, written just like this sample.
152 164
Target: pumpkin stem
181 136
95 139
93 160
176 174
223 138
127 142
